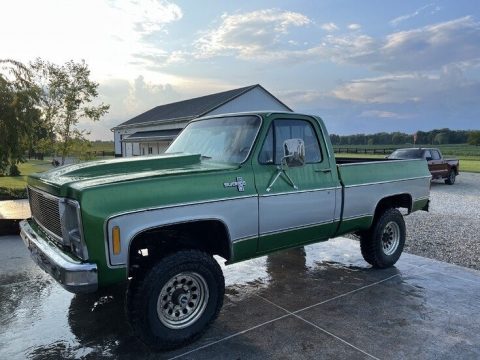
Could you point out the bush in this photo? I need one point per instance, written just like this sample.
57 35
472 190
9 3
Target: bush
13 171
12 194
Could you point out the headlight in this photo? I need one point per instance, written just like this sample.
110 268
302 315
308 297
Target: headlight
71 222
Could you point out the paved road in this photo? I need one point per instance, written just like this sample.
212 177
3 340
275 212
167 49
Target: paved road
320 302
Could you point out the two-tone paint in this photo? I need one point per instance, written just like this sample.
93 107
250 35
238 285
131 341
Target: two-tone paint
144 193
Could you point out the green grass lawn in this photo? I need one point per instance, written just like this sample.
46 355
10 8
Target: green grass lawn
470 164
27 168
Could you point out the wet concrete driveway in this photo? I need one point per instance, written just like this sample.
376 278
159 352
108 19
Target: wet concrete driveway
321 301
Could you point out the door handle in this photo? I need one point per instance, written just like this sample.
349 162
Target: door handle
323 170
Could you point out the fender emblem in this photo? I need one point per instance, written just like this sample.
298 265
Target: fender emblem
239 184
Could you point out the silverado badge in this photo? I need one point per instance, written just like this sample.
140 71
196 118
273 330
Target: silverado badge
239 184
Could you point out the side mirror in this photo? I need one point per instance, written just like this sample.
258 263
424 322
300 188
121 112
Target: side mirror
428 158
294 152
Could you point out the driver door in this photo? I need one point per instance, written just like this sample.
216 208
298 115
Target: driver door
300 209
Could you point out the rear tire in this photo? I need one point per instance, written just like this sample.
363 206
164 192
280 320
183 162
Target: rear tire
383 243
450 180
176 300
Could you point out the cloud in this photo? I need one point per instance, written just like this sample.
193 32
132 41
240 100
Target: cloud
330 27
424 49
354 27
385 89
260 36
382 114
103 32
403 18
430 47
249 35
148 16
450 87
161 59
296 97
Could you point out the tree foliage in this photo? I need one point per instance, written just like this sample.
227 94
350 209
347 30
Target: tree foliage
67 94
474 138
433 137
40 107
19 113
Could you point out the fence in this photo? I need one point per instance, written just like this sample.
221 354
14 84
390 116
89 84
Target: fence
350 150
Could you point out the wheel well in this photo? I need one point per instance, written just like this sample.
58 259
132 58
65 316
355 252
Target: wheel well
395 201
210 236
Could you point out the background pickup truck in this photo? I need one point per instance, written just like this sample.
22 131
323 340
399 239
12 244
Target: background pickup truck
237 186
439 167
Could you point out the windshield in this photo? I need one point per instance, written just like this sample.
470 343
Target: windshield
407 154
226 139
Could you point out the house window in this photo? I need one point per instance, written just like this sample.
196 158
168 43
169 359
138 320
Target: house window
143 150
150 150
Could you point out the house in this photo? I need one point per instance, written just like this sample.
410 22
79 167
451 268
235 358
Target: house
152 131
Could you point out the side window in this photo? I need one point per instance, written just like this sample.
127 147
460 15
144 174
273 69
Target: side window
281 130
435 155
266 155
427 154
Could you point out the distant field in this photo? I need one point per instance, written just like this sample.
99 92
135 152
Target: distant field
467 163
448 150
470 164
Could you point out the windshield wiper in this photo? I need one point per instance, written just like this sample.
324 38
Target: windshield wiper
205 157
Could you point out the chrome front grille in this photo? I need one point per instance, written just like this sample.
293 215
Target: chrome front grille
45 210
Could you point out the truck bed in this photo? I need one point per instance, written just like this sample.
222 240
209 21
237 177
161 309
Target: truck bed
365 181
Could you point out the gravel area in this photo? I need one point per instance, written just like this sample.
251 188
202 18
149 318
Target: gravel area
450 231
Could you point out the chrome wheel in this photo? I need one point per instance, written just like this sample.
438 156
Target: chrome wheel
390 238
182 300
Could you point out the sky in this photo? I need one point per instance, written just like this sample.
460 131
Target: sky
363 66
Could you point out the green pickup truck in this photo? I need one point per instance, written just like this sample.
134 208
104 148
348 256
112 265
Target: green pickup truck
237 186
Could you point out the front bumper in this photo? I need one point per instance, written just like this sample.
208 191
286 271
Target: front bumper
73 275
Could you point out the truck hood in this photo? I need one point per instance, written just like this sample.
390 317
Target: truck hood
96 173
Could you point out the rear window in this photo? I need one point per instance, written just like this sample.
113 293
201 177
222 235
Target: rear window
407 154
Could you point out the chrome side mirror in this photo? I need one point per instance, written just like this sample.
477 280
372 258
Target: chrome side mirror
294 152
293 156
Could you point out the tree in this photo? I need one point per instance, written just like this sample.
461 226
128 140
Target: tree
474 138
19 113
398 138
441 138
67 94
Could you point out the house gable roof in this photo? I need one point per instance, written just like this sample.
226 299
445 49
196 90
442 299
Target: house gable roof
191 108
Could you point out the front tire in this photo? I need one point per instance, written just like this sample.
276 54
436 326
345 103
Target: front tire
450 180
176 300
383 243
